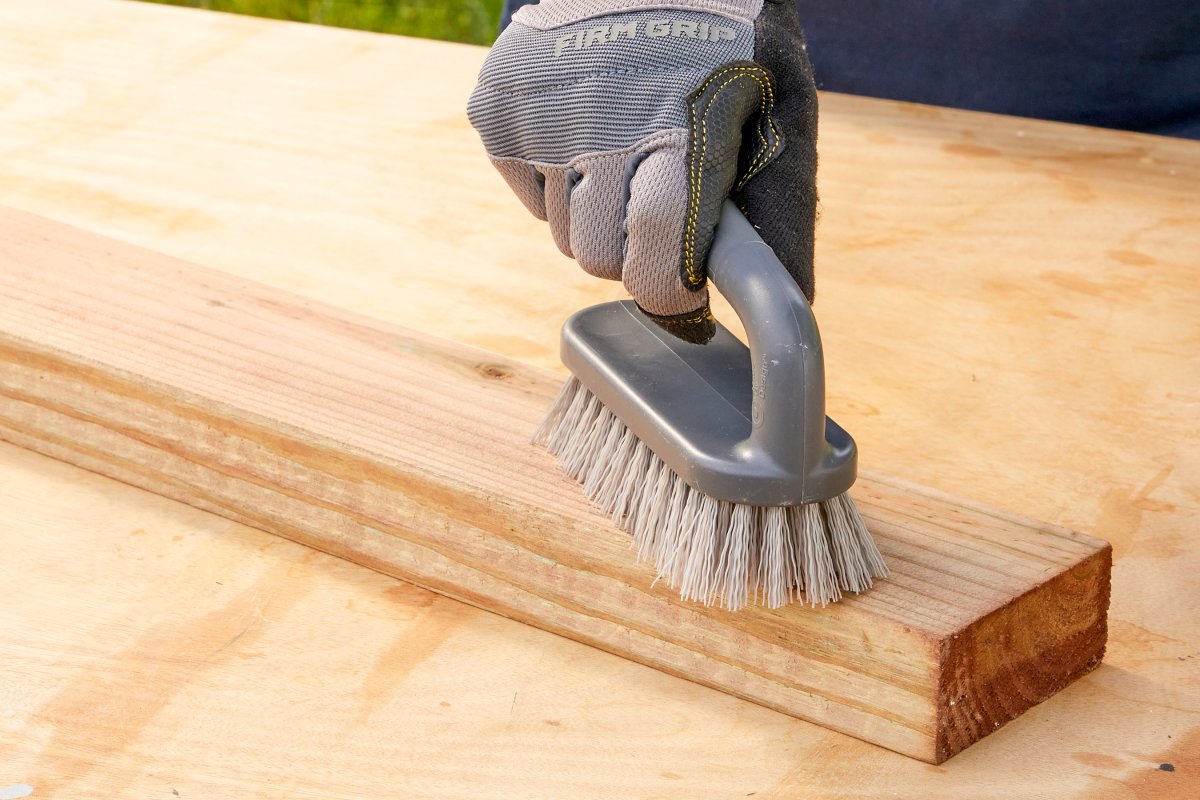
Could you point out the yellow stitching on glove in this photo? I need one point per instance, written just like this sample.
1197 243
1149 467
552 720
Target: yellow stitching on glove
696 167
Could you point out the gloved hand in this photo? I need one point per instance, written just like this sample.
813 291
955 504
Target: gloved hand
626 123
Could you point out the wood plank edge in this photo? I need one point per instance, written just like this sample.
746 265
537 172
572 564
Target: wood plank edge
378 550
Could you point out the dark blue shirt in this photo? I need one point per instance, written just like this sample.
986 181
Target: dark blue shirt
1111 63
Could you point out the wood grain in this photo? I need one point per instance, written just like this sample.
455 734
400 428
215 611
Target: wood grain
1009 314
410 455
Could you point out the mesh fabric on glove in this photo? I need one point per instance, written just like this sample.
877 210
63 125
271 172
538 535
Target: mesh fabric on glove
625 124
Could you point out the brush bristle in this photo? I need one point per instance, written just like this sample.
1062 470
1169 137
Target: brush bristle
713 551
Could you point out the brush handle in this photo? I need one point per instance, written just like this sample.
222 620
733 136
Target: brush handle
787 363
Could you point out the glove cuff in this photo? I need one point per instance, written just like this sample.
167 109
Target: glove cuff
550 14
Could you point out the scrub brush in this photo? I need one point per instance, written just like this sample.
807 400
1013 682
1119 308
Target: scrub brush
717 458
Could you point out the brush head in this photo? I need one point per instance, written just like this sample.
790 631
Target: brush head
713 551
718 458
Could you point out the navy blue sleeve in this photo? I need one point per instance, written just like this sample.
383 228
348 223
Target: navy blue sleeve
509 7
1110 63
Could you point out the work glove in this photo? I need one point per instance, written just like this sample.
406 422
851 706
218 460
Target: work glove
626 123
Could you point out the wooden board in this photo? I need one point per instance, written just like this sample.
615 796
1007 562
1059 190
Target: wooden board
411 456
1039 281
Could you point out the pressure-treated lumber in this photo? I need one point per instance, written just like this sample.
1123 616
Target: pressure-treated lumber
410 455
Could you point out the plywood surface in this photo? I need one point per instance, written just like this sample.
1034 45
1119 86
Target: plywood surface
1009 312
411 455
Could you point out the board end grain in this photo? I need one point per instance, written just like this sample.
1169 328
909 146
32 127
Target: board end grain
1022 653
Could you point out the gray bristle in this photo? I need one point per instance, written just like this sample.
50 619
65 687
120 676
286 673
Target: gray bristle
713 551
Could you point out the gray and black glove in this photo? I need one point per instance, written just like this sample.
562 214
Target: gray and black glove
626 123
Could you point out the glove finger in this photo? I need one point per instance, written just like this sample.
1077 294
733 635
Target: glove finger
526 183
559 182
655 220
719 110
597 212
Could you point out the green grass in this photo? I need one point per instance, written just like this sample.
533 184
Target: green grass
456 20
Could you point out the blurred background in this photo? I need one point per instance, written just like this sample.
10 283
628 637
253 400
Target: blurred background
474 21
1110 63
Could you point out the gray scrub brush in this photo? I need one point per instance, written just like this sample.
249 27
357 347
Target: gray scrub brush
717 458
